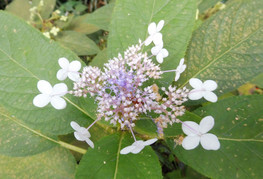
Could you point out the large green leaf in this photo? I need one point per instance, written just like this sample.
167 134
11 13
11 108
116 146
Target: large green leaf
206 4
27 56
130 20
55 163
258 80
238 125
105 161
228 47
78 43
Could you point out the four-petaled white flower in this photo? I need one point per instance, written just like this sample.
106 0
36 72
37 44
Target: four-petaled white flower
54 31
198 133
155 35
68 69
81 133
49 94
180 69
137 146
159 52
203 90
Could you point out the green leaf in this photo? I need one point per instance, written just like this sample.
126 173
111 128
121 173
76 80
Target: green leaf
78 43
100 59
55 163
258 80
238 125
15 8
27 56
130 20
101 17
78 24
227 48
206 4
105 161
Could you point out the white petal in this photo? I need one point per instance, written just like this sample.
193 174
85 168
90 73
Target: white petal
63 63
58 102
160 25
60 89
44 87
79 136
73 76
158 39
90 143
75 125
149 142
177 75
206 124
195 94
41 100
210 142
74 66
137 149
164 52
84 132
148 40
181 62
210 85
190 128
182 68
159 58
196 83
210 96
155 50
190 142
127 149
62 74
152 28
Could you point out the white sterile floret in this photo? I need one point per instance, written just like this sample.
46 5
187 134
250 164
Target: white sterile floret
203 90
198 133
81 133
180 69
68 69
137 146
159 52
50 95
154 32
54 31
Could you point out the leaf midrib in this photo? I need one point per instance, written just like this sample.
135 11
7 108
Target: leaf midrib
118 155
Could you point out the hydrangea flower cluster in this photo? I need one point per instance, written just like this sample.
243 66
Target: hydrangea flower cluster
123 98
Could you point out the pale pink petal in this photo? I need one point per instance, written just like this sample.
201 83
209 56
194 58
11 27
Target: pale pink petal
74 66
90 143
148 40
164 52
127 149
58 102
190 142
41 100
75 125
210 85
63 63
206 124
195 94
74 76
158 38
190 128
210 96
62 74
159 58
44 87
196 83
160 26
149 142
60 89
152 28
210 142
